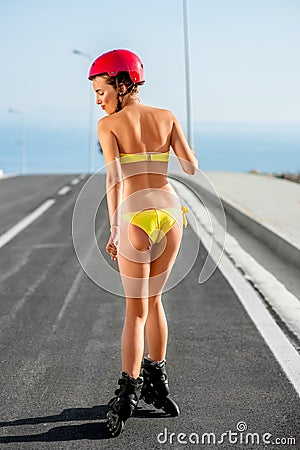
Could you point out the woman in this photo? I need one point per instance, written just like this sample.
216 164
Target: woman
145 222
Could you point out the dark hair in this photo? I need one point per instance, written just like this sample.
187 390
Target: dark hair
115 81
122 78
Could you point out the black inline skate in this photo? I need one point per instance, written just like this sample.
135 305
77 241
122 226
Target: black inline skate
155 389
124 403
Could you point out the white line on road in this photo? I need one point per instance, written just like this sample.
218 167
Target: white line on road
76 283
75 181
279 344
64 190
283 350
70 295
283 302
22 224
5 320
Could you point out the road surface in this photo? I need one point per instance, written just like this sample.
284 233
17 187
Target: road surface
60 345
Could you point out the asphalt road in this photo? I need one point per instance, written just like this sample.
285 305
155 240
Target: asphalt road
60 345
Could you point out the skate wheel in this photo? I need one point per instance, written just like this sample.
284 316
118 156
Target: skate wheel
170 407
146 400
112 401
114 424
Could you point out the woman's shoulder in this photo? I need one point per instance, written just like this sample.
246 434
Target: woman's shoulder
105 123
160 114
156 110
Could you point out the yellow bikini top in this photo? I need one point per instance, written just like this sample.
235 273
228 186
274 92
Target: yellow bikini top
148 156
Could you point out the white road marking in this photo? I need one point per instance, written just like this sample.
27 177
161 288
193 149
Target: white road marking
22 224
11 271
74 287
279 344
49 245
283 350
5 320
75 181
64 190
284 303
72 291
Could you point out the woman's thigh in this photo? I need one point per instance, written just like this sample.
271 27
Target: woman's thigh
163 258
145 267
134 276
135 244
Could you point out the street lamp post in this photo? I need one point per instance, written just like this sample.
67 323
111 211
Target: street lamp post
187 74
23 144
91 116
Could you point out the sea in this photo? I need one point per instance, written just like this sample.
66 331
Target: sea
269 148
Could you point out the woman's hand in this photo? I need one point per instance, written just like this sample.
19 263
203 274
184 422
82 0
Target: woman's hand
113 242
112 249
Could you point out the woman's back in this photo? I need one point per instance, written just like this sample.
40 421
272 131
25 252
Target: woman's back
140 129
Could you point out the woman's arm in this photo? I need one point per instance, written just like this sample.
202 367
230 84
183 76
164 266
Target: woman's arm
182 150
114 183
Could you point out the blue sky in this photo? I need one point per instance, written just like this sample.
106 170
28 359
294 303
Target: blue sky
244 57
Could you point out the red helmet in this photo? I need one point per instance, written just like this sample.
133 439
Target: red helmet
117 61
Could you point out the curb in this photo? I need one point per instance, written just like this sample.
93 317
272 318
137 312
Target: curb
283 303
286 249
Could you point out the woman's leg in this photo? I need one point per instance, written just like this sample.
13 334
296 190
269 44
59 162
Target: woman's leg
132 343
156 329
134 266
143 278
160 268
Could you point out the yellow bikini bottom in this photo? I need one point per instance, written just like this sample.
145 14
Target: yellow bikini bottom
156 222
